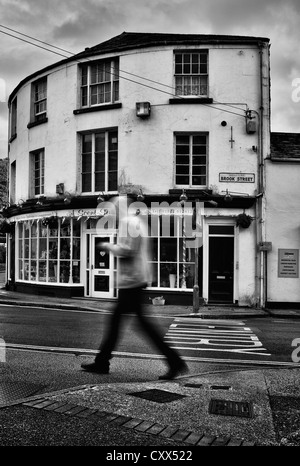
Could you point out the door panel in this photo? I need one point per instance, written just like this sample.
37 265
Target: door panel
221 258
101 269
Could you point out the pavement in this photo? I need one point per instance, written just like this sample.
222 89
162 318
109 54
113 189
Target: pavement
239 406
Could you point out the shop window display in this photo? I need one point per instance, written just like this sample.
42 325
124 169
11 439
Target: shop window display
44 249
170 269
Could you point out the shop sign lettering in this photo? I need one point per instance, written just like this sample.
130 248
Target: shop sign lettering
237 177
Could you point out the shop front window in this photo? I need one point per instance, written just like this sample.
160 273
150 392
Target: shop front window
45 253
173 263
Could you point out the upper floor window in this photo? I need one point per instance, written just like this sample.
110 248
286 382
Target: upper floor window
13 177
191 159
38 172
100 83
191 73
99 161
39 100
13 118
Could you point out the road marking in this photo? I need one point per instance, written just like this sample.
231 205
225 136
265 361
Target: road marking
221 337
83 311
93 352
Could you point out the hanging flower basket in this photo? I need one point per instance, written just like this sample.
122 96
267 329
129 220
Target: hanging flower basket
243 220
50 221
7 227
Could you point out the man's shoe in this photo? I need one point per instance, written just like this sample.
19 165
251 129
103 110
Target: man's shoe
96 368
181 368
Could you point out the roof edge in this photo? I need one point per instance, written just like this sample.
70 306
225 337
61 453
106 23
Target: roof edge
160 40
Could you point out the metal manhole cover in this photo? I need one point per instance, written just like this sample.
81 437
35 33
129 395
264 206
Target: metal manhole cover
11 391
159 396
231 408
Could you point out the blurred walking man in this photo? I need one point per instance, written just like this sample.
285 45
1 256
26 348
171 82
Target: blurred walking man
134 273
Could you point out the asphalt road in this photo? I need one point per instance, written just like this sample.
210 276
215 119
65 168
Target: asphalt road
266 340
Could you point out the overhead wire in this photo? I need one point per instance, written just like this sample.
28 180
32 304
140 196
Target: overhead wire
110 72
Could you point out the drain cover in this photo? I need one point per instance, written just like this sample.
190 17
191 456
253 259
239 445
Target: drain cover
159 396
11 391
220 387
231 408
193 385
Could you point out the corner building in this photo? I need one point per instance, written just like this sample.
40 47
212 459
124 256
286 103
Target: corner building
161 115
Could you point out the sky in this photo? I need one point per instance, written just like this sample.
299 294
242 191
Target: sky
75 24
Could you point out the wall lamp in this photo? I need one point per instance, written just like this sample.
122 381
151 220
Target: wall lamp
140 197
143 109
183 197
20 203
40 200
227 197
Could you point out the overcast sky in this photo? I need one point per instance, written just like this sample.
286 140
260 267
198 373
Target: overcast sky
76 24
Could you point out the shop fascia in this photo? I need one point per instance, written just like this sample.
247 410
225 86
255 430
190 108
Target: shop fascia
106 213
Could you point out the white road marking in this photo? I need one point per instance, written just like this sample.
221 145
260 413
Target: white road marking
195 359
224 336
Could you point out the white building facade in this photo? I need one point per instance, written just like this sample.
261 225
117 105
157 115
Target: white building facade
282 221
159 115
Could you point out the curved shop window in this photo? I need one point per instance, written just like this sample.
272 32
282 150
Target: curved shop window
49 250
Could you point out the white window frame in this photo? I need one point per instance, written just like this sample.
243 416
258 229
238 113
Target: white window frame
21 259
13 118
106 161
39 97
38 155
188 76
113 81
191 135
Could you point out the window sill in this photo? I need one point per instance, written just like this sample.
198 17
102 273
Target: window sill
190 100
285 159
97 108
37 123
192 190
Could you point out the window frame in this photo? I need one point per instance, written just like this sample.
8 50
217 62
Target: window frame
200 75
13 120
191 135
37 98
35 257
87 84
108 133
161 266
37 157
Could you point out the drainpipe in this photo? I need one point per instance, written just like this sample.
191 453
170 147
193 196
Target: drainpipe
262 199
260 266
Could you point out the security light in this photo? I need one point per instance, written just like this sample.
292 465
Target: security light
143 109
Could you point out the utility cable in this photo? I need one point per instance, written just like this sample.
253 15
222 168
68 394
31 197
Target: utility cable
122 71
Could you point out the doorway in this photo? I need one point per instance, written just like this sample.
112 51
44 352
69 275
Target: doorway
221 261
102 268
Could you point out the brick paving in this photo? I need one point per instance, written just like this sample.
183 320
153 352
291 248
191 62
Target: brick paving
170 432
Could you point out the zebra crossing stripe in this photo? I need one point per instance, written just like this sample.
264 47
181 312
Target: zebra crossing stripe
220 337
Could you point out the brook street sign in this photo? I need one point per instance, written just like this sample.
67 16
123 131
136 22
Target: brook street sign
237 177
